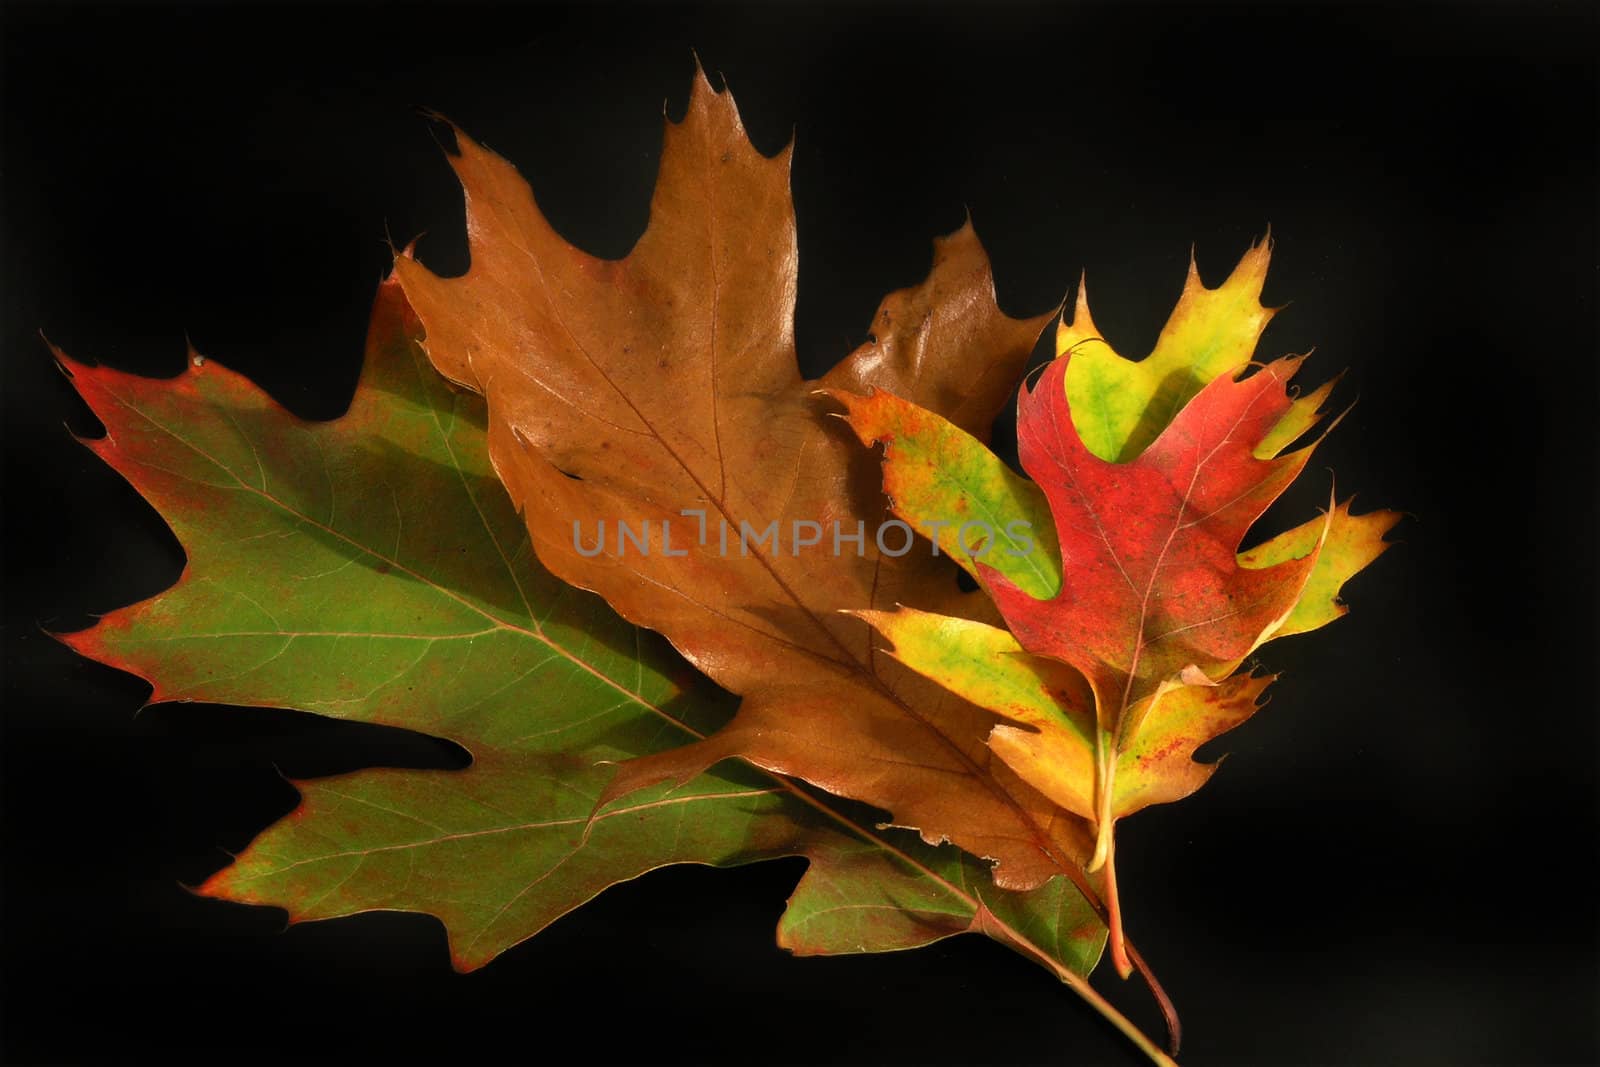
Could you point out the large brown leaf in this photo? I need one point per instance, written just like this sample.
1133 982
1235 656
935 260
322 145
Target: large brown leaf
640 388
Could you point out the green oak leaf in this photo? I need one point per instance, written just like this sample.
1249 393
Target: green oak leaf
372 568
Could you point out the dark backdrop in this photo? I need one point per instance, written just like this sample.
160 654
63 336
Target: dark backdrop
1397 862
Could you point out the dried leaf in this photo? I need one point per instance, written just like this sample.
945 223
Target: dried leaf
633 390
657 396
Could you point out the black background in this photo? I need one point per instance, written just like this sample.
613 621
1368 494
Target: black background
1396 864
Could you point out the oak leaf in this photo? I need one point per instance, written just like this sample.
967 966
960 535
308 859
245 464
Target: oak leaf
658 395
372 569
1130 616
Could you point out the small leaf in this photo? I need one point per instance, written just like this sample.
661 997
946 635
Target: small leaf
1055 747
1121 405
986 665
958 494
1153 473
1349 544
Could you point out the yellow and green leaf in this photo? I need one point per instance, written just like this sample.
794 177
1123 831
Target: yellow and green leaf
1352 542
1120 405
952 490
1053 746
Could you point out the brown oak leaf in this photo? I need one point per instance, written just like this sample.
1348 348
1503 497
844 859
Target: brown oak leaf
658 396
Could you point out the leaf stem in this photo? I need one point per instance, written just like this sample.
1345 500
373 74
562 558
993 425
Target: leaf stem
1105 753
1010 935
1115 941
1105 847
1100 1004
1122 1023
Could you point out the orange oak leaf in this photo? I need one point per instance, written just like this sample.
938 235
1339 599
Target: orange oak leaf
649 420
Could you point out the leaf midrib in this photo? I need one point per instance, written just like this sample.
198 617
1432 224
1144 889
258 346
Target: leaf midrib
511 828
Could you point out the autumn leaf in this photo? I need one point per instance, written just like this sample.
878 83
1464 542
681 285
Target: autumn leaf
1151 473
372 569
1122 404
1056 747
1153 585
648 418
